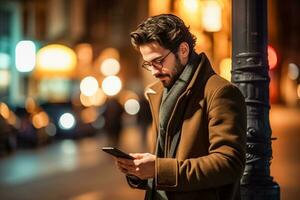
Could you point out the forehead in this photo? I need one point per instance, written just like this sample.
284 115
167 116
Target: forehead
151 51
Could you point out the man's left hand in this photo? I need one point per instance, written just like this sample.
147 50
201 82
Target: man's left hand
143 165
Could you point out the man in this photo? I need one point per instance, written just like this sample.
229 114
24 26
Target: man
199 120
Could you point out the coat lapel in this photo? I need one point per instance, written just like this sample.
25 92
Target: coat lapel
154 94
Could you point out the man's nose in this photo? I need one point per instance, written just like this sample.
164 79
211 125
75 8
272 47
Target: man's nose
155 71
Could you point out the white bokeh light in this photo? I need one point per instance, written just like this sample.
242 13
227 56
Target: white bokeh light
212 16
293 71
66 121
191 5
89 86
132 106
25 56
111 85
110 66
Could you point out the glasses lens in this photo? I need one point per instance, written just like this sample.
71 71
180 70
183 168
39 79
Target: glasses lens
147 66
157 65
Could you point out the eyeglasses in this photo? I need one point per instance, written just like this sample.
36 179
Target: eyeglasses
158 64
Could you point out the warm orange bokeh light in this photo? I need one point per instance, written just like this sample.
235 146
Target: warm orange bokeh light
40 120
55 60
272 57
4 110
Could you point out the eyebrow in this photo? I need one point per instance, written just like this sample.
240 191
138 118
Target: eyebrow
156 59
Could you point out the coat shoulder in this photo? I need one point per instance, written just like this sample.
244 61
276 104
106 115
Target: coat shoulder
216 85
216 82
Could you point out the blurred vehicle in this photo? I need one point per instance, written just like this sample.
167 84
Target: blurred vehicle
7 137
31 128
69 121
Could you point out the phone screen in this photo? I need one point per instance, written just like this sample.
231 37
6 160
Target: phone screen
117 153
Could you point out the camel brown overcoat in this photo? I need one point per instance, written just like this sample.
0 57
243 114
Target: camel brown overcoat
207 159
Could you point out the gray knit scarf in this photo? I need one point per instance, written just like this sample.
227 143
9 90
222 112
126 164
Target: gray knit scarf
169 99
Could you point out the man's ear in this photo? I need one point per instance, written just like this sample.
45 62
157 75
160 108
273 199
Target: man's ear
183 51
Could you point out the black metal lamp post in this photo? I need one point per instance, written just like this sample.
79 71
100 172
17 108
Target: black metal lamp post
250 74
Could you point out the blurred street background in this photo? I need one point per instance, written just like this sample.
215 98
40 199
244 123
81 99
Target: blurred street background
79 170
70 83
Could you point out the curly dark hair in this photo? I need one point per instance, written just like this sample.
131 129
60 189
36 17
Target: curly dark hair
166 29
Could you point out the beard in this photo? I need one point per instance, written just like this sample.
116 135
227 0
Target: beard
170 78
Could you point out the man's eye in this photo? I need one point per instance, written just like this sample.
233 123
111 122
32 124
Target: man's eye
156 61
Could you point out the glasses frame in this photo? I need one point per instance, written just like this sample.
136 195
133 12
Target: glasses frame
157 64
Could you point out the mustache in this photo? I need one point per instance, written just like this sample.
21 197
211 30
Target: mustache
161 75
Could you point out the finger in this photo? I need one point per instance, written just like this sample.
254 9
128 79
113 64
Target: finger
125 161
137 162
129 164
127 167
125 171
137 155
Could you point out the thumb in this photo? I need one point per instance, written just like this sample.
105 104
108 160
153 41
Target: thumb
137 155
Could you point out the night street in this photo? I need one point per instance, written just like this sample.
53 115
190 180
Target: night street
79 170
75 170
76 76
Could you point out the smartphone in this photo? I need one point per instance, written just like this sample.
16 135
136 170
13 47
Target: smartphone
117 152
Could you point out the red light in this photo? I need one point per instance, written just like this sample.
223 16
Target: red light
272 57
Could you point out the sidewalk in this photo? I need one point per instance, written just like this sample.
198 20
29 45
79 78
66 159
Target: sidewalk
285 124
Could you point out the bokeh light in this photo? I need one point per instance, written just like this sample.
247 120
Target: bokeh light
89 115
89 86
189 11
111 85
191 5
132 106
272 57
30 105
56 57
212 16
126 95
225 68
97 99
66 121
293 71
4 110
51 129
108 53
84 54
25 56
13 119
40 120
110 66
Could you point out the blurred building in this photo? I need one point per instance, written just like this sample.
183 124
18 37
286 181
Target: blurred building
90 33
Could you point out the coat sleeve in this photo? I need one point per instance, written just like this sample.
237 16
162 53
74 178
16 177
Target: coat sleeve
135 182
225 161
